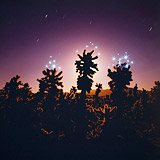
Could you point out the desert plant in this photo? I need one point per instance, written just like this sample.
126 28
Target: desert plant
86 68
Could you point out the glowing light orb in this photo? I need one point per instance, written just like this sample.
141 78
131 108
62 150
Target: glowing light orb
119 63
91 46
126 66
122 59
125 57
53 66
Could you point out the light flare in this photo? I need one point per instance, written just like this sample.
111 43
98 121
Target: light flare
52 64
118 59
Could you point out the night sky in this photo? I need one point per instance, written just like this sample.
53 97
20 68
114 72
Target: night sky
31 31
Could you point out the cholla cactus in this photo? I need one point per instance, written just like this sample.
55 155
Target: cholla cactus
86 68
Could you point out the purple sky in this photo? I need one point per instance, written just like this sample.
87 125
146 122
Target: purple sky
30 32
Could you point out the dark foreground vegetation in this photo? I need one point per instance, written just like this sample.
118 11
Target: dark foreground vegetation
51 124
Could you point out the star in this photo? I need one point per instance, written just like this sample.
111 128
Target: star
150 29
125 57
37 40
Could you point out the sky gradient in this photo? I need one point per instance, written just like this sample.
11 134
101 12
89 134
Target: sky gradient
31 32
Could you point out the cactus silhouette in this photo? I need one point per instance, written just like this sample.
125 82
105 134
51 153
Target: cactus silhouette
52 117
50 83
99 88
73 90
51 97
86 68
156 90
26 93
120 78
11 90
135 91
